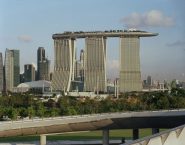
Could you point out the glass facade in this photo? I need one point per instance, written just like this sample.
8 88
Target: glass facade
43 65
16 65
29 73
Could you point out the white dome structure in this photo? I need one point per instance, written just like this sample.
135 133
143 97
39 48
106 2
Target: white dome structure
35 84
41 85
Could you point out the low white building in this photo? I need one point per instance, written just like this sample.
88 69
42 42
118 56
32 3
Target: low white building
37 86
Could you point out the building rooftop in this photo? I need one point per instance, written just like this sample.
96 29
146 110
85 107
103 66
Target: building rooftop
111 33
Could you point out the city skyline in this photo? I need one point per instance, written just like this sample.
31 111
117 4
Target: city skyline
161 57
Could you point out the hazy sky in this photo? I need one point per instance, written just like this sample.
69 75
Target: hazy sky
28 24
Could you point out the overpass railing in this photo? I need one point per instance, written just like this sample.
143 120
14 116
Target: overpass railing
100 116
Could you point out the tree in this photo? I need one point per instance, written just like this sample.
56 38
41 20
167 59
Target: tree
12 113
107 105
23 112
162 103
71 111
173 84
50 103
1 112
40 109
54 112
31 112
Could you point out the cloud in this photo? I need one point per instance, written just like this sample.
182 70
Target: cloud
153 18
178 43
25 38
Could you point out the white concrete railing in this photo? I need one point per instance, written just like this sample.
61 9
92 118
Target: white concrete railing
175 136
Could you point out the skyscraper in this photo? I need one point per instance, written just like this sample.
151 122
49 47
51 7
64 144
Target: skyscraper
29 73
9 69
40 54
95 59
82 64
12 69
149 81
95 64
64 63
82 57
43 65
130 75
77 71
1 73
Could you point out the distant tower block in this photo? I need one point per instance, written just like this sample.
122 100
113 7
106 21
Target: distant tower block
64 54
1 73
130 75
95 64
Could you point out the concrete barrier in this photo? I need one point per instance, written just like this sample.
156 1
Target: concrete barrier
175 136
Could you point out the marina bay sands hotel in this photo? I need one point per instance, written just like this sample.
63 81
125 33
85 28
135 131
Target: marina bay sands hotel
95 59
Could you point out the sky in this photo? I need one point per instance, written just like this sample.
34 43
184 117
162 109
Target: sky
27 25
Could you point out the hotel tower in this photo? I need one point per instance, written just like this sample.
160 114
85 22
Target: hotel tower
94 62
64 62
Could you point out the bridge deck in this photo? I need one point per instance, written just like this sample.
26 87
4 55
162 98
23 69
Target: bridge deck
127 120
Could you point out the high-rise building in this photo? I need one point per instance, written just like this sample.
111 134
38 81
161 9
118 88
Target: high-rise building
44 70
43 65
82 64
1 73
22 78
12 69
77 71
82 57
130 75
64 63
40 55
149 81
95 64
29 73
93 59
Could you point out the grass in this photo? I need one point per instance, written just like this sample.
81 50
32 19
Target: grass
114 134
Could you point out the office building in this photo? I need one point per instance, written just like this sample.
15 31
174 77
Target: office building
77 71
82 64
12 69
1 73
22 78
29 73
130 75
43 65
82 57
95 64
149 81
64 63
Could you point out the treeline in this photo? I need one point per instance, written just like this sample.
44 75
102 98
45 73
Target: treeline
25 105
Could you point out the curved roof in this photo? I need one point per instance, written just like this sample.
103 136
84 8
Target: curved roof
35 84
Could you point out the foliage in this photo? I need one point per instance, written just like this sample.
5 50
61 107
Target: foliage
27 105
